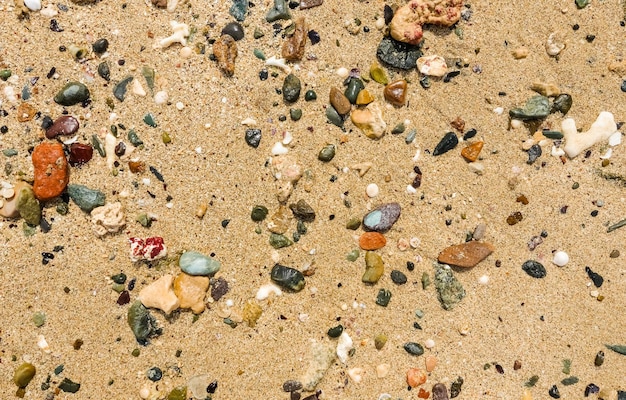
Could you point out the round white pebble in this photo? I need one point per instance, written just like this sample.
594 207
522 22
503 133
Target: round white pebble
429 343
144 393
180 105
372 190
410 189
343 72
161 97
33 5
560 258
185 52
483 280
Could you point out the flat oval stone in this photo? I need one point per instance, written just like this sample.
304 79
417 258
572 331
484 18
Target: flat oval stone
537 107
398 54
395 92
24 374
65 125
72 93
288 278
86 199
382 218
197 264
339 101
534 269
413 348
291 88
51 171
398 277
466 254
372 241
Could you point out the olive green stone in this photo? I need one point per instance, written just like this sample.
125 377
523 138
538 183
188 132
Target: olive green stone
333 116
148 74
379 341
279 241
258 213
258 33
295 114
378 74
28 206
118 287
165 138
288 278
310 95
178 393
353 255
62 208
562 103
97 144
303 211
353 223
39 319
136 352
580 4
425 280
398 129
355 85
537 107
68 386
291 88
374 267
72 93
327 153
24 374
144 220
383 297
5 74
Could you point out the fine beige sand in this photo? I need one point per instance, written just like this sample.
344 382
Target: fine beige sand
539 322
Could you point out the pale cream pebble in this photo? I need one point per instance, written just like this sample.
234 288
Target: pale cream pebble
169 205
385 396
476 167
108 218
279 149
464 330
279 63
356 374
498 110
161 97
342 72
372 190
607 155
201 210
110 142
185 52
380 23
275 256
42 343
410 189
265 291
144 393
554 44
49 11
362 168
172 4
520 53
528 143
146 181
417 155
302 317
9 93
112 117
180 105
560 258
483 280
344 345
382 370
403 244
287 138
7 192
181 32
615 139
429 343
575 143
517 123
432 65
87 116
594 293
557 151
160 294
430 363
248 122
137 89
415 242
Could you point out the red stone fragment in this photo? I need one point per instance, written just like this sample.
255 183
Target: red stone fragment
65 125
466 254
148 249
80 153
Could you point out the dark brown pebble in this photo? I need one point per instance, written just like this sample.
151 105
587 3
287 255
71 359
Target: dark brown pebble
120 149
440 392
517 365
124 298
64 126
80 153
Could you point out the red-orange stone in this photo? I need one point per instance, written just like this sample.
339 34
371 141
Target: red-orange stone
466 255
372 241
423 394
471 152
415 377
51 171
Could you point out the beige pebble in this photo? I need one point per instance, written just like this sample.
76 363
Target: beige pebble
520 53
201 210
190 291
429 343
369 120
554 44
527 395
546 89
159 294
372 190
403 244
432 65
431 363
356 374
382 370
185 52
516 123
137 89
342 72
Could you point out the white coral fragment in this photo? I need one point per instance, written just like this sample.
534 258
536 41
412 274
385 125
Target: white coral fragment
108 218
181 32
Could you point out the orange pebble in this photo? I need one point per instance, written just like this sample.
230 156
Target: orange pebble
431 363
423 394
415 377
51 172
471 152
372 241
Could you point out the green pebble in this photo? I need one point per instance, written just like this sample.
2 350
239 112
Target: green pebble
59 369
377 73
301 226
295 114
119 278
537 107
449 289
72 93
148 74
552 134
28 230
398 129
567 366
291 88
258 213
28 206
310 95
379 341
336 331
383 297
144 220
62 208
39 319
581 3
562 103
425 280
258 33
353 223
5 74
97 144
355 85
374 267
9 152
259 54
141 322
149 120
178 393
353 255
532 381
197 264
327 153
86 199
333 116
119 90
118 287
572 380
134 139
68 386
279 11
279 241
165 137
24 374
575 185
287 278
136 352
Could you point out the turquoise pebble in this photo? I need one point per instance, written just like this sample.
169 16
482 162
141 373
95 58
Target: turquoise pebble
373 218
194 263
86 199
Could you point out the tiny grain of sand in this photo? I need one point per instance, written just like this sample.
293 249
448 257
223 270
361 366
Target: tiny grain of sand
539 322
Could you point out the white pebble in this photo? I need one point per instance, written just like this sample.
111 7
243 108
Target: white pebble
557 151
144 393
287 138
146 181
560 258
380 23
343 72
279 149
483 280
372 190
498 110
382 370
43 344
415 242
615 139
180 105
161 97
344 345
384 396
355 374
476 167
410 189
594 293
266 290
302 317
516 123
198 150
429 343
137 89
33 5
185 52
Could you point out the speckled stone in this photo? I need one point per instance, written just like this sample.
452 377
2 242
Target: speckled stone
382 218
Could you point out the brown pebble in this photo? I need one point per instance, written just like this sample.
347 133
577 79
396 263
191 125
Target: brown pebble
471 152
25 112
339 101
614 254
80 153
517 365
304 4
136 166
466 254
372 241
225 50
458 123
440 392
395 92
51 172
522 199
364 98
159 3
65 125
516 217
293 48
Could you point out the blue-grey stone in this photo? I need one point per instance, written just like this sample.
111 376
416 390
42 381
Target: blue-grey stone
239 9
382 218
86 199
194 263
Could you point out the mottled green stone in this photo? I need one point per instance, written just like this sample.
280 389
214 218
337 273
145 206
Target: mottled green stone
72 93
28 206
449 289
279 241
86 199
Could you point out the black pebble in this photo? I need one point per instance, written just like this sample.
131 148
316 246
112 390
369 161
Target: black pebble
54 26
253 137
398 54
291 386
469 134
533 153
225 223
534 269
263 74
212 387
100 46
388 13
623 86
446 144
314 37
596 278
398 277
154 374
46 122
554 392
591 389
233 29
410 265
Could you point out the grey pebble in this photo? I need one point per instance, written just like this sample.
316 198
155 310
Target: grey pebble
398 277
534 269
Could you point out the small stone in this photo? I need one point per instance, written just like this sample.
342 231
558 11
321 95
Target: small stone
279 221
364 98
148 249
25 112
160 294
24 374
599 359
178 393
327 153
546 89
406 25
413 348
288 278
304 4
355 86
253 137
190 291
239 9
383 297
466 255
432 65
51 171
154 374
278 241
234 29
310 95
80 153
333 116
415 377
295 114
72 93
449 289
379 341
430 363
596 278
100 46
335 332
398 54
560 258
339 101
395 92
372 241
353 224
68 386
374 268
534 269
520 53
149 120
537 107
554 392
104 71
27 205
293 48
142 323
258 213
614 253
120 89
471 152
251 313
378 74
197 264
534 152
353 255
554 44
109 218
382 218
369 120
447 143
303 211
291 88
398 277
440 392
225 51
86 199
39 319
279 11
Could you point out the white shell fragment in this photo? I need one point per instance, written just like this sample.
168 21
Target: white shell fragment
576 143
266 290
554 44
372 190
560 258
344 345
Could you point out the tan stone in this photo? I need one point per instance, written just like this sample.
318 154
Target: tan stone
190 291
225 51
619 67
279 221
25 112
364 97
159 294
293 48
519 53
339 101
432 65
546 89
406 25
466 254
369 120
108 218
431 363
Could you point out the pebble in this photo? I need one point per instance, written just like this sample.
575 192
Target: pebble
225 51
120 89
374 268
378 74
24 374
447 143
383 297
344 346
253 137
141 322
25 112
364 98
86 199
560 258
251 313
546 89
234 29
33 5
154 374
279 221
148 249
596 278
291 88
520 53
372 190
339 101
440 392
8 199
80 153
575 142
449 289
100 46
534 269
395 92
398 54
537 107
382 218
293 48
199 386
310 95
415 377
333 116
320 359
534 152
413 348
279 11
72 93
398 277
466 255
197 264
160 294
356 374
369 120
372 241
51 171
327 153
382 370
258 213
265 291
302 211
292 386
278 241
239 9
554 44
104 71
190 291
336 331
288 278
471 152
355 86
430 363
27 205
562 103
406 25
432 65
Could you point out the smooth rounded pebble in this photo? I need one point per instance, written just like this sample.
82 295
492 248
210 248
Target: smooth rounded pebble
372 190
560 258
194 263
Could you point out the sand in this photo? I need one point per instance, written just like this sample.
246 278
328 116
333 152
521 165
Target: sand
539 322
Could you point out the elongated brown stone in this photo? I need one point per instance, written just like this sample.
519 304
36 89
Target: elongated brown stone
466 254
225 51
339 101
293 48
